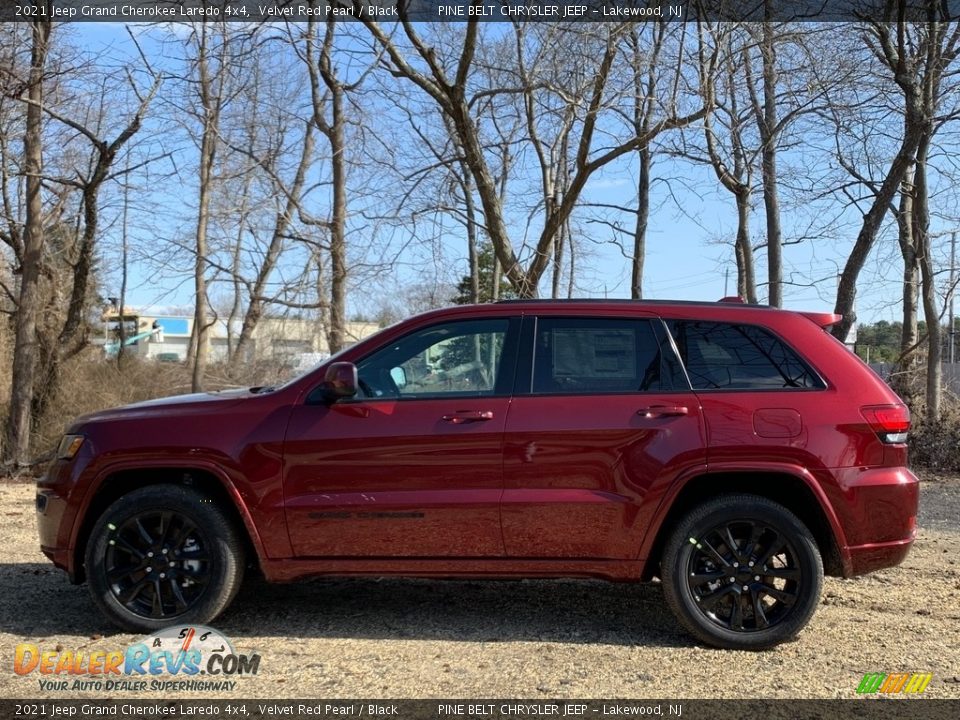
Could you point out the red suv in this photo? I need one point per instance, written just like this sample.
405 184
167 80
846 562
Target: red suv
736 452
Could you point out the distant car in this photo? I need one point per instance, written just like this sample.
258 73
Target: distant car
736 452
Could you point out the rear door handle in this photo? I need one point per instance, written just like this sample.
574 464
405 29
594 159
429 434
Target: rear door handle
468 416
658 411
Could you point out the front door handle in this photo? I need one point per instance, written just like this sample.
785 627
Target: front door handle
658 411
468 416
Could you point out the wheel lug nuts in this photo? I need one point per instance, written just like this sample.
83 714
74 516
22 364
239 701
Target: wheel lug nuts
163 575
150 553
745 587
757 578
751 563
165 551
736 564
174 564
149 569
733 580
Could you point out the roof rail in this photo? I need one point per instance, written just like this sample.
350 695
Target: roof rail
645 301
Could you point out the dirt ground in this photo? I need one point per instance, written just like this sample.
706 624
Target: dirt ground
517 639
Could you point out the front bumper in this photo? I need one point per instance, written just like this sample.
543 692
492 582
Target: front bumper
58 498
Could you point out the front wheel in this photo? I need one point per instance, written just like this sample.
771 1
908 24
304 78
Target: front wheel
742 572
163 554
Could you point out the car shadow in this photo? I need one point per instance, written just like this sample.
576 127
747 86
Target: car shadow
37 601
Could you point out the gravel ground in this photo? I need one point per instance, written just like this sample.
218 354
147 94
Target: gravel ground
519 639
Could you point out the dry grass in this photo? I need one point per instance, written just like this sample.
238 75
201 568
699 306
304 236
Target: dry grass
89 383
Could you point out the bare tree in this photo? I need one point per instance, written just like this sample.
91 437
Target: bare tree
323 74
730 151
646 69
917 56
446 81
72 335
211 72
25 354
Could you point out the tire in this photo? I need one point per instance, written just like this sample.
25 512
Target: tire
721 602
162 555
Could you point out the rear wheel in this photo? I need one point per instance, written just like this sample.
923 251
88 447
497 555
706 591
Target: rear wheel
742 572
163 554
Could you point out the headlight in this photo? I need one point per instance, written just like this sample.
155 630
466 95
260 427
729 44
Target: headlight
69 446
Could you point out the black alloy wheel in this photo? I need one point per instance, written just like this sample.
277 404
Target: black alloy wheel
742 572
744 575
162 554
158 563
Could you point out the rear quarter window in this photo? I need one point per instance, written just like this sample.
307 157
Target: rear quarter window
729 356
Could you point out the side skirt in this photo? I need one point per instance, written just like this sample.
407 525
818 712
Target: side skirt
288 570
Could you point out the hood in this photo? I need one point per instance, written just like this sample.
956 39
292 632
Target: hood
172 404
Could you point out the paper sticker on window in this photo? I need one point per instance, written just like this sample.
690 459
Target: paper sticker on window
586 352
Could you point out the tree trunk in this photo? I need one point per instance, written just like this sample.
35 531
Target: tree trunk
931 313
640 229
847 287
281 226
557 275
746 279
768 161
472 258
911 281
337 334
210 100
26 350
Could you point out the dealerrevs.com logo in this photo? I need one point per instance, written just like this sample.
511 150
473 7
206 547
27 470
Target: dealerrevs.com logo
177 659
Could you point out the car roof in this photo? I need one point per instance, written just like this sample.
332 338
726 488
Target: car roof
731 309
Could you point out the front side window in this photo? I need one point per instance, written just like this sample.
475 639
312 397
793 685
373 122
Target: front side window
457 358
596 355
738 357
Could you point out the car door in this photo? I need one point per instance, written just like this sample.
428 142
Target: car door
601 422
412 467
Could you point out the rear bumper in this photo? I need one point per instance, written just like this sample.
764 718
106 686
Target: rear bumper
877 509
862 559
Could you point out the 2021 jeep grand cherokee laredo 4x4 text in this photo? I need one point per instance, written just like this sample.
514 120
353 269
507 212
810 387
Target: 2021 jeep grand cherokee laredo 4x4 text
736 452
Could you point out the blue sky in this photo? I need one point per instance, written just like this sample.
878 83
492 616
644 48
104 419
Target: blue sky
688 244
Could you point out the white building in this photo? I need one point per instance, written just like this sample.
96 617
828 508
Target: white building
293 341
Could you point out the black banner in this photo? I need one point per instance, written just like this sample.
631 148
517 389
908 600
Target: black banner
485 10
915 708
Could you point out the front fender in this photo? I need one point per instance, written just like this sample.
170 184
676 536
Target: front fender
251 507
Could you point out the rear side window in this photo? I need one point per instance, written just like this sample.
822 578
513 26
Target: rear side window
596 355
738 357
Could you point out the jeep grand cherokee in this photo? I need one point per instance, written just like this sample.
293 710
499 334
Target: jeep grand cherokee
735 452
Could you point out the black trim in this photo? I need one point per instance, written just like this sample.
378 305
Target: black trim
523 383
627 301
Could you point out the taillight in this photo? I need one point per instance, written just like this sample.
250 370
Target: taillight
889 422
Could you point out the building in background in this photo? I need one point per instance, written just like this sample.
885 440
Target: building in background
296 342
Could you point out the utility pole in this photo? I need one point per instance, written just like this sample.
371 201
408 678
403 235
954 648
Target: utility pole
726 281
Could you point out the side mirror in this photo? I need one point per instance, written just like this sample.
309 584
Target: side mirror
340 381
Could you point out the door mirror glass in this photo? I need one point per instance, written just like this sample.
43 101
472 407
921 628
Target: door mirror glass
399 377
340 381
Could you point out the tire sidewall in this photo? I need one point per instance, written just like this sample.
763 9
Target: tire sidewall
220 535
680 597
